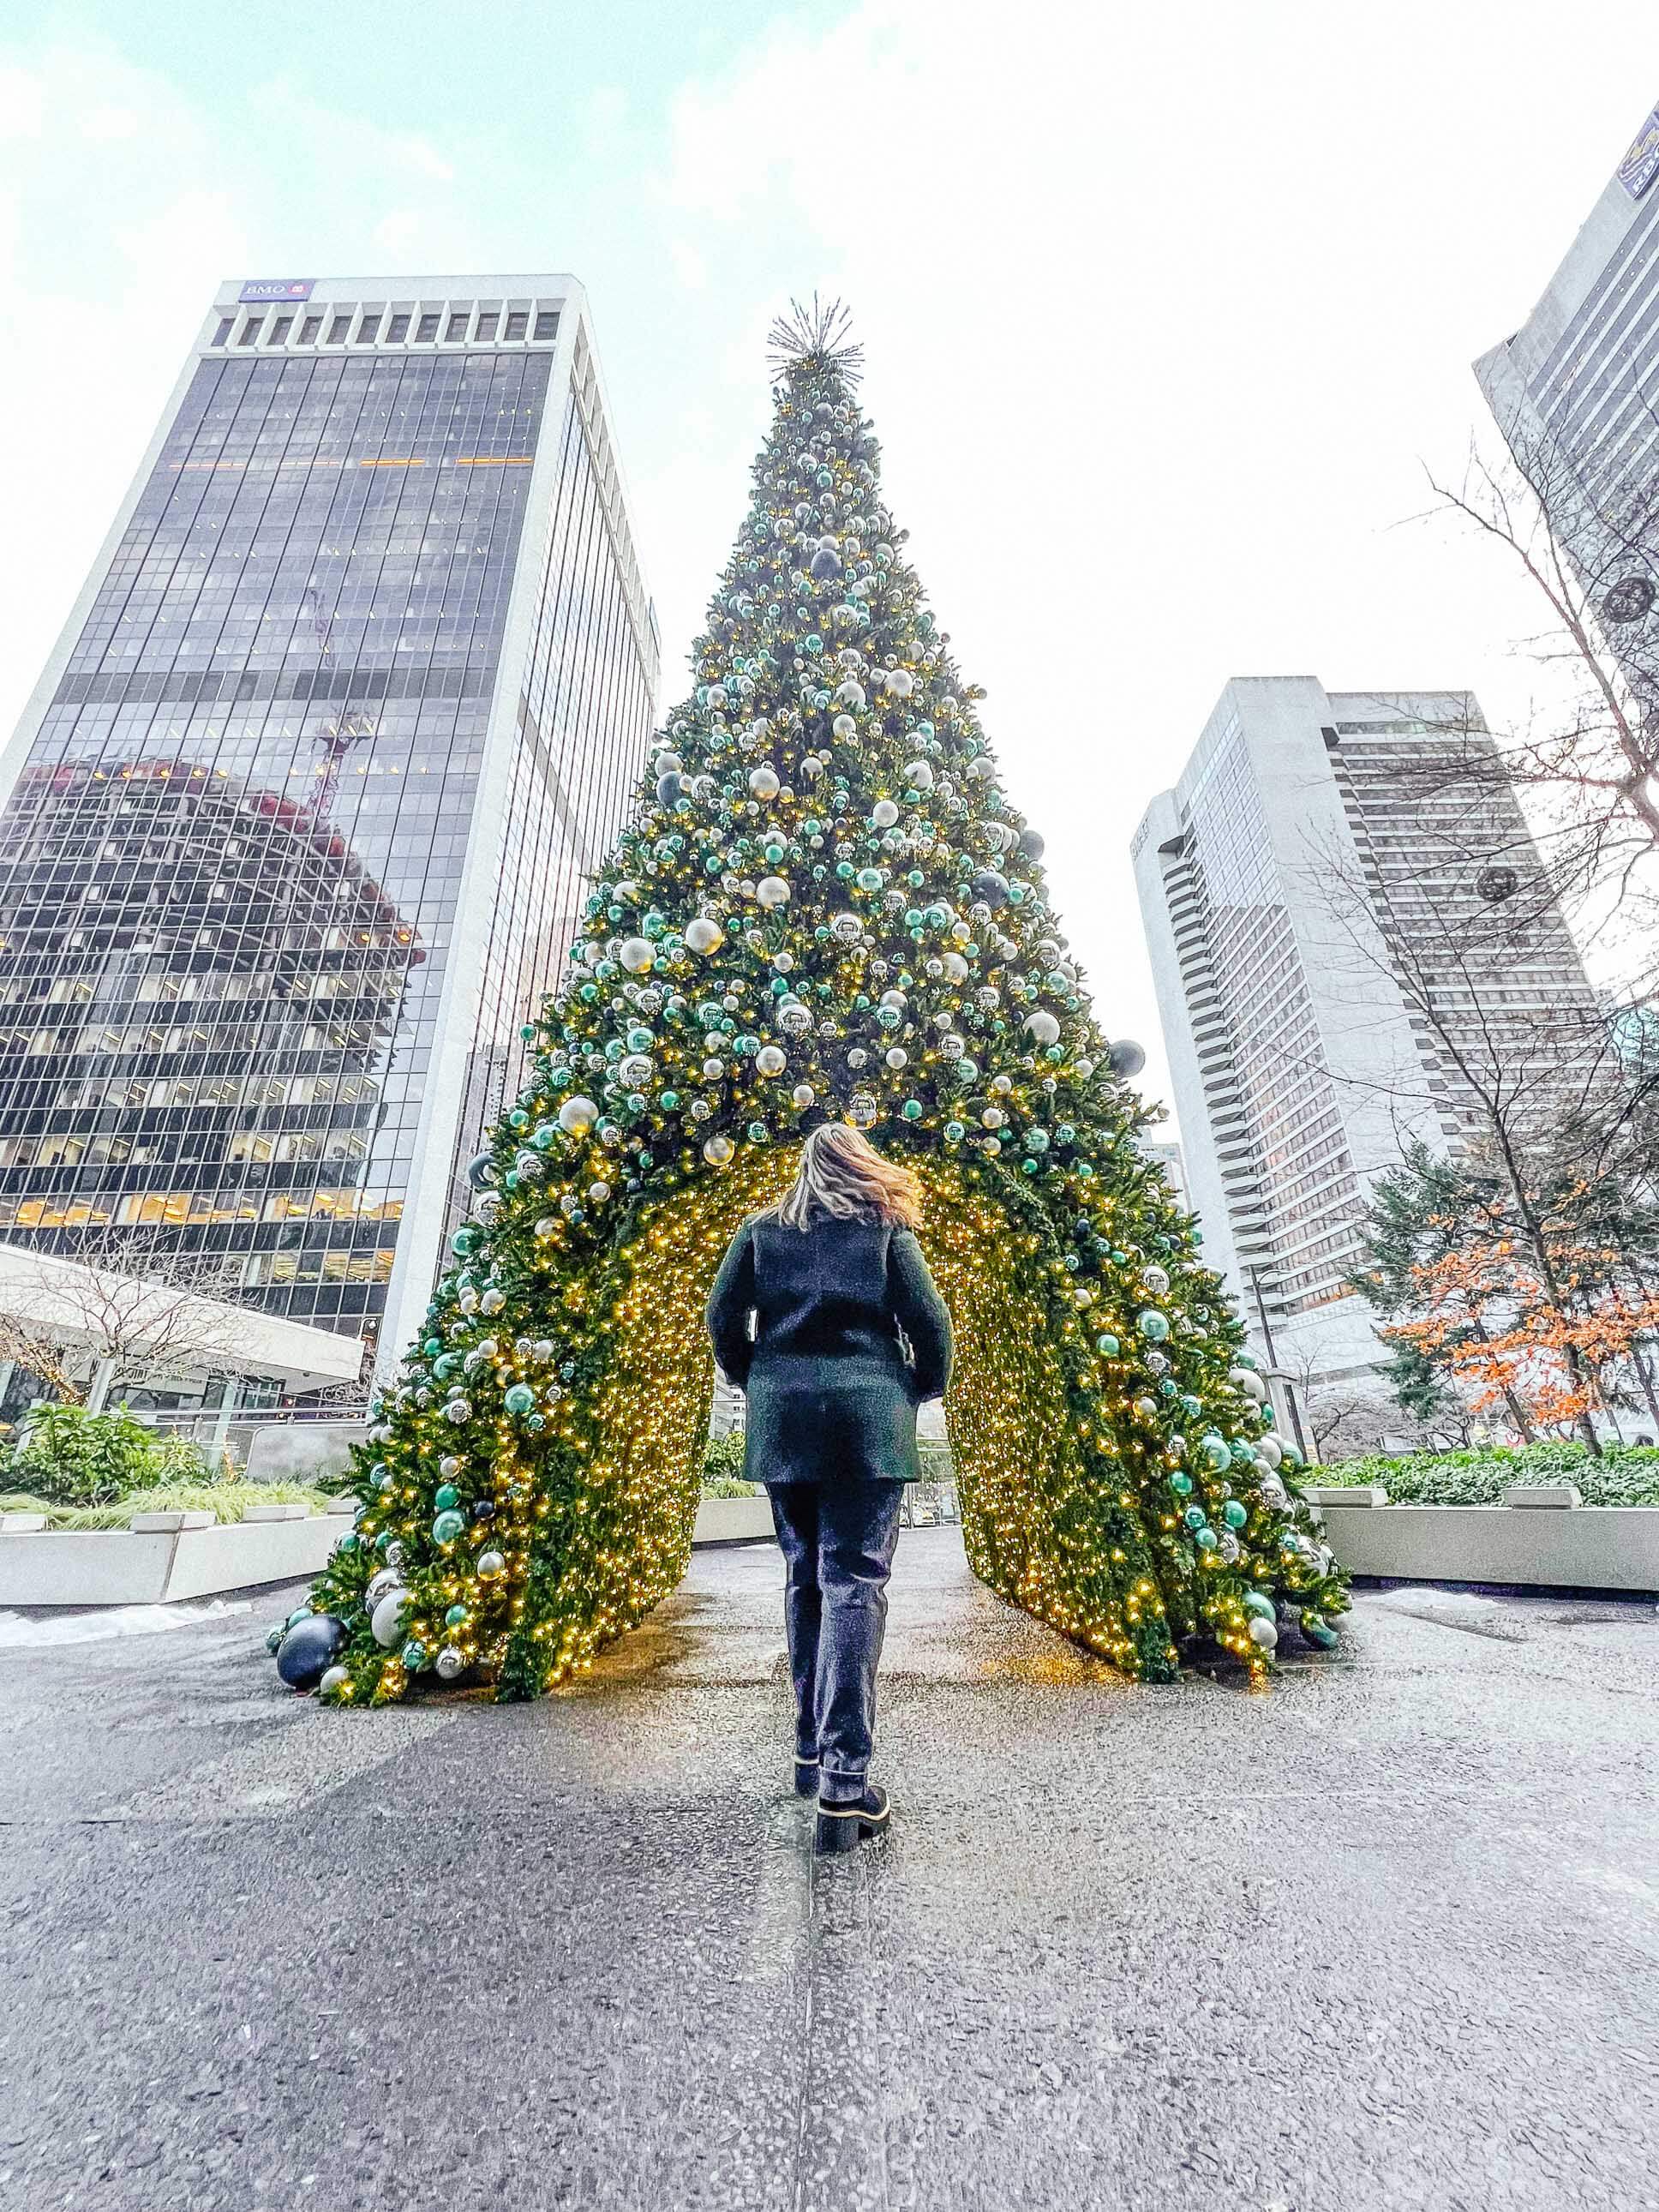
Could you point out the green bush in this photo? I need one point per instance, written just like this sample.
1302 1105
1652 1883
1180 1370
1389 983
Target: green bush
72 1457
722 1468
1627 1475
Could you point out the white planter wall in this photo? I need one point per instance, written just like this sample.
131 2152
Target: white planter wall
1611 1548
733 1520
127 1566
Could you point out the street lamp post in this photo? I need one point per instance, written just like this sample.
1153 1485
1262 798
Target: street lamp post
1275 1372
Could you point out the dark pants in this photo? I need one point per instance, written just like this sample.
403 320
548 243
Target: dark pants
837 1543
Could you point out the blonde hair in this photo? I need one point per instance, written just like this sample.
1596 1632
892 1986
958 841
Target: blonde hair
841 1175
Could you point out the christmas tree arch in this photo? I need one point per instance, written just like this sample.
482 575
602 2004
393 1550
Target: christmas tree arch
824 904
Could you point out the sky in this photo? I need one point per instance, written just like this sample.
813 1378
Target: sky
1166 311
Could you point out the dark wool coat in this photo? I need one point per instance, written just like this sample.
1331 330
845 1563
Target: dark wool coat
837 1334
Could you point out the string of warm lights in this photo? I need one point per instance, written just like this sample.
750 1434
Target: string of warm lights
824 904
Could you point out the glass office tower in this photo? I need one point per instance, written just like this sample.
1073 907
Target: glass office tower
301 812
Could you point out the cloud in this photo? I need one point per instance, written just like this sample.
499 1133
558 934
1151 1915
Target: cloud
397 233
689 267
107 121
22 104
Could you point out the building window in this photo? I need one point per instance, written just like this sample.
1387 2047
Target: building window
428 332
488 325
458 322
251 329
340 329
396 329
368 330
309 328
517 324
547 323
279 331
226 324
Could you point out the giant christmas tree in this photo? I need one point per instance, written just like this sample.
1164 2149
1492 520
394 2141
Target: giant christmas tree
824 904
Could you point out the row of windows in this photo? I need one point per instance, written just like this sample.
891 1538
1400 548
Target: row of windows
359 325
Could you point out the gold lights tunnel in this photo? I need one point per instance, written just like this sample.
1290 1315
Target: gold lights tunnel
1048 1515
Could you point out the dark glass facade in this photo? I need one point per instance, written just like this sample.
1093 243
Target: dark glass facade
292 724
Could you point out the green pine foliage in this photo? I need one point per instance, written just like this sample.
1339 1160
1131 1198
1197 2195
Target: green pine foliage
825 903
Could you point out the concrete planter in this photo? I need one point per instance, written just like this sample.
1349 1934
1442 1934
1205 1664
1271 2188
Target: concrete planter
733 1520
1570 1546
171 1555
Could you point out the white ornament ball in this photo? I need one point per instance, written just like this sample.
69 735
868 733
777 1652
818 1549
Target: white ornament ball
846 928
844 727
490 1564
896 1056
703 936
1269 1450
883 814
901 683
804 1096
1263 1633
636 954
450 1662
1044 1029
1247 1380
598 1193
576 1116
764 783
717 1150
918 774
770 1060
387 1620
332 1680
772 892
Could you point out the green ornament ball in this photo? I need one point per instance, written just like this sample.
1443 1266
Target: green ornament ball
520 1399
1234 1514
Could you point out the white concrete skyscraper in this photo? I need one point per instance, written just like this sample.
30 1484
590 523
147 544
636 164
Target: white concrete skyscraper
301 811
1317 845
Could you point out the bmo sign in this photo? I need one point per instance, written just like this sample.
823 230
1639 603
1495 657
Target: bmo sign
262 288
1641 165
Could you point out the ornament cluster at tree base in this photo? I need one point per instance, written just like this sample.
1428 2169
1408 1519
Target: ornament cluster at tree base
824 903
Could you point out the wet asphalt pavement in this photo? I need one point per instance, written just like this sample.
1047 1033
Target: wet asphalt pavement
1384 1934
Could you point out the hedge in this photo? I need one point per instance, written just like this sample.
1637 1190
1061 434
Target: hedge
1626 1474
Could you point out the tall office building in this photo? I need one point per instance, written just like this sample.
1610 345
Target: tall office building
1324 857
1576 393
299 813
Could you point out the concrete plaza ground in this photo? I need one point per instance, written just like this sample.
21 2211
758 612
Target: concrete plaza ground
1383 1936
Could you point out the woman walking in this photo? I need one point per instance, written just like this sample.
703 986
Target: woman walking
824 1313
